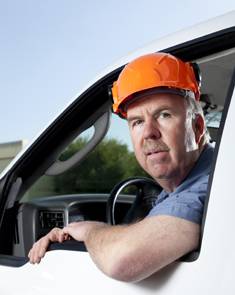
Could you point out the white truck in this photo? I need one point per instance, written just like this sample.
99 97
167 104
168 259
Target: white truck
31 204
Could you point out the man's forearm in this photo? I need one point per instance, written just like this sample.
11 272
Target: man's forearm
106 246
133 252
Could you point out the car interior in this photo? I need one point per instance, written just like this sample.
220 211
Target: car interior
29 215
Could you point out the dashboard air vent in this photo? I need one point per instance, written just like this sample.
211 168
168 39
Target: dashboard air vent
51 219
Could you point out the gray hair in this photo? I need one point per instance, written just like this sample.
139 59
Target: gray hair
194 108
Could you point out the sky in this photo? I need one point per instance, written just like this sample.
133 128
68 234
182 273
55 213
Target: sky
50 49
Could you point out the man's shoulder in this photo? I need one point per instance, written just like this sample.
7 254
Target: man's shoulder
188 199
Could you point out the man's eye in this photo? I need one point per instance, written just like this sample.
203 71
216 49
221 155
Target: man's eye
136 123
165 115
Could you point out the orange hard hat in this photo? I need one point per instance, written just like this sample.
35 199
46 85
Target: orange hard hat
160 72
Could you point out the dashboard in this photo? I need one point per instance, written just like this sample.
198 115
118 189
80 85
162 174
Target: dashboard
37 217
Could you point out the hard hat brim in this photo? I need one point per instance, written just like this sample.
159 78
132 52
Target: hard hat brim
158 90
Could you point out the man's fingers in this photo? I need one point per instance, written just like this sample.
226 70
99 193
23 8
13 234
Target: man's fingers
40 247
38 250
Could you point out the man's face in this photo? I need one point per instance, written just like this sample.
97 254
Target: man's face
163 136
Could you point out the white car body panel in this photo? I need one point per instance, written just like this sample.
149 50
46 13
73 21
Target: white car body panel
62 272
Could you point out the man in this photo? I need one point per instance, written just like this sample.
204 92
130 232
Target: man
158 95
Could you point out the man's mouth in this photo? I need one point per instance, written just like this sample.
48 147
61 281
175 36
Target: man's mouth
149 153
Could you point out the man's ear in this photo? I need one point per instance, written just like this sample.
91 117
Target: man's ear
199 126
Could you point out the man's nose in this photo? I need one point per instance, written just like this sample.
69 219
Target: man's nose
151 130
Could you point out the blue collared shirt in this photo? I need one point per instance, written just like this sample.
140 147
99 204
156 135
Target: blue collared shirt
187 200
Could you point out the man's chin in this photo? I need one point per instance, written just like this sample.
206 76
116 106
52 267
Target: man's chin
159 170
160 175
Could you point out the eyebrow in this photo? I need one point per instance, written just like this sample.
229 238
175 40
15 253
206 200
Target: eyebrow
156 111
133 118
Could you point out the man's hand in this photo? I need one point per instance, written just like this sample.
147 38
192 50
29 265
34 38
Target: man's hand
77 230
40 247
81 230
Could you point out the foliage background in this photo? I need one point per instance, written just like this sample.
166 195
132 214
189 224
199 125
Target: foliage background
109 163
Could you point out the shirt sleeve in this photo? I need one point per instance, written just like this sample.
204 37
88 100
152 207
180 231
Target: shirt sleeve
187 204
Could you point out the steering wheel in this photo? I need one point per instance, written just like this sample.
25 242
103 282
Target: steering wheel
147 192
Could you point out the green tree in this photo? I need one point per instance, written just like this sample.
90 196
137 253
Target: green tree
109 163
